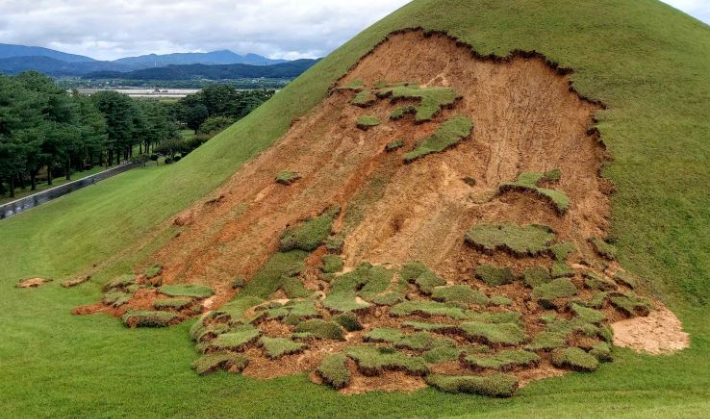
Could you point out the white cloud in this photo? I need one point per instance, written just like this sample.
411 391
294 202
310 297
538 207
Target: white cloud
109 29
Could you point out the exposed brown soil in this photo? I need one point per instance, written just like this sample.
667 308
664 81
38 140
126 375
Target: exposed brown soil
76 281
527 118
659 333
32 282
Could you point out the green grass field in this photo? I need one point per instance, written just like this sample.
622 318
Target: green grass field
646 61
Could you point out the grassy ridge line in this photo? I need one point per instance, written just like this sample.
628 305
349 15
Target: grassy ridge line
653 75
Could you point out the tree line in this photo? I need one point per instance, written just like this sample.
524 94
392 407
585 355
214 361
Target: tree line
46 132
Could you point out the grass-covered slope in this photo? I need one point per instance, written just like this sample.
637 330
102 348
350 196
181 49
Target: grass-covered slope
645 61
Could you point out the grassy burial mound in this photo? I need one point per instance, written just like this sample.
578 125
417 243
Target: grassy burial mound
656 72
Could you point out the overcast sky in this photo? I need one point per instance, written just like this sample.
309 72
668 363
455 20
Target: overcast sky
110 29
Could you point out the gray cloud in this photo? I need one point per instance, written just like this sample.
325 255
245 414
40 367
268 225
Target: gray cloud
109 29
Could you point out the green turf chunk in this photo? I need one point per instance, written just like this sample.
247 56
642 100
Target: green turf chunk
356 85
631 304
500 300
575 359
546 294
376 279
447 135
148 318
427 308
588 315
598 283
349 321
277 347
626 279
503 361
238 283
334 371
545 341
562 251
211 362
237 339
172 303
561 270
364 99
335 242
321 329
536 276
601 351
332 264
116 298
412 270
304 309
195 291
269 279
234 310
430 327
432 99
603 248
427 281
442 350
153 271
310 234
495 317
529 240
344 302
293 288
120 282
287 177
461 294
495 333
402 111
394 145
366 122
495 276
529 182
373 361
416 341
499 385
200 325
597 301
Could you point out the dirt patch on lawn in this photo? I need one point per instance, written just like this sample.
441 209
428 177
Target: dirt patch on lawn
661 332
32 282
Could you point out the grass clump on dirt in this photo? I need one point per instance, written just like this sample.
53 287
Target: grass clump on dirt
321 329
427 308
603 249
500 385
529 182
545 341
334 371
349 321
495 333
561 270
520 240
394 145
122 281
332 264
171 303
447 135
148 318
287 177
598 283
588 315
356 85
364 99
153 271
430 327
401 112
277 347
500 300
236 339
575 359
442 350
311 234
495 316
366 122
631 304
292 311
562 251
415 341
503 361
601 351
536 276
270 277
546 294
494 276
425 279
195 291
373 361
208 363
433 99
460 294
116 298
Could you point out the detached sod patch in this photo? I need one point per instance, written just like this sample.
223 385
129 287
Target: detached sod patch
588 315
153 271
447 135
631 304
415 341
277 347
430 327
603 248
574 359
432 99
546 294
172 303
536 276
311 234
494 276
195 291
287 177
503 360
367 121
529 240
209 363
148 318
236 340
598 283
428 308
349 321
116 298
334 371
545 341
394 145
460 294
120 282
500 385
528 182
332 264
495 334
373 361
356 85
364 99
321 329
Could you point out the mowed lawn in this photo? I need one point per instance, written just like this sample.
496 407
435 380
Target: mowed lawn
647 62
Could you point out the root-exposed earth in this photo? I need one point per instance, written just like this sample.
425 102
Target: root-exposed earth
514 283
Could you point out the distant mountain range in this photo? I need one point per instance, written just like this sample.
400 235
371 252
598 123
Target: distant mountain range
290 69
17 58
